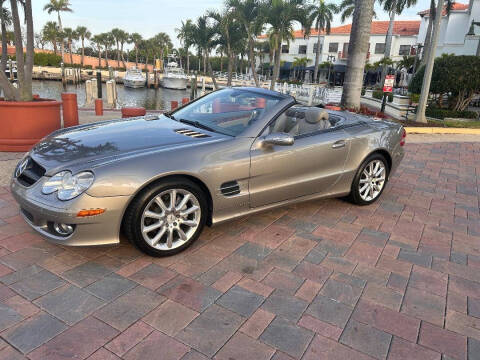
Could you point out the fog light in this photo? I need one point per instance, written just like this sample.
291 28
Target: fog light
63 229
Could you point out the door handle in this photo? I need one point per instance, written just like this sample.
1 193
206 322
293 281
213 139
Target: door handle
338 144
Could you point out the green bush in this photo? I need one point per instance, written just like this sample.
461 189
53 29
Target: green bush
437 113
378 94
47 59
456 76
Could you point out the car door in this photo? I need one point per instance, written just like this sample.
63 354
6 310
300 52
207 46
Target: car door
312 164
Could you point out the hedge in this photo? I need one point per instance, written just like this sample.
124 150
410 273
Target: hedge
378 94
437 113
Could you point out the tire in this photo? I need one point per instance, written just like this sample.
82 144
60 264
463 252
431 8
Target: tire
145 212
358 197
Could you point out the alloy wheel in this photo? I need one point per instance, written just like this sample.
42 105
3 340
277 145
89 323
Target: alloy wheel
170 219
372 180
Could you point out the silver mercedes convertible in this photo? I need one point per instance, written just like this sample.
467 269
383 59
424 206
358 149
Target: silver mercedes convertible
161 179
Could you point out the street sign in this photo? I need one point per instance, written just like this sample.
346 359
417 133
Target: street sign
388 84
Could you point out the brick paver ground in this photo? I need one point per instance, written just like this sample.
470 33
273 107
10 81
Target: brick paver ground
399 279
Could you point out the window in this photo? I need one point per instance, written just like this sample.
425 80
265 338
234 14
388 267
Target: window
302 49
404 50
315 48
333 47
379 48
301 120
229 111
285 49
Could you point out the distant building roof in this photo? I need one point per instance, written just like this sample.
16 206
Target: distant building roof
455 7
404 27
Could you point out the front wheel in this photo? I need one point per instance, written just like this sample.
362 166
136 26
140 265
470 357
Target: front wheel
166 217
370 180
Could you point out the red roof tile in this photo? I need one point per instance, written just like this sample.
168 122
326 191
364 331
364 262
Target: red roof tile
455 7
407 27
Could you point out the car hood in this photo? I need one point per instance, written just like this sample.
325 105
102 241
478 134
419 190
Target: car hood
87 146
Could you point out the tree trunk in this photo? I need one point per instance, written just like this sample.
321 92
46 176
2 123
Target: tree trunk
3 63
428 35
121 55
229 68
205 62
427 78
388 42
106 57
276 66
251 56
26 92
221 62
83 49
99 57
18 47
70 51
136 56
317 58
55 49
210 71
357 53
188 62
60 27
118 55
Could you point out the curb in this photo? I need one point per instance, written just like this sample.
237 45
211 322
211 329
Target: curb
437 130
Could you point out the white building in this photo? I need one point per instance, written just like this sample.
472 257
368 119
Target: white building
454 29
335 44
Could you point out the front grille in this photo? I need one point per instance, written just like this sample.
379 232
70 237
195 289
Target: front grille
191 133
32 173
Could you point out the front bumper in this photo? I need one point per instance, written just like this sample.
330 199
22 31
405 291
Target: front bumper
40 211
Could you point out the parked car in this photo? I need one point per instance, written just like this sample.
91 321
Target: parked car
234 152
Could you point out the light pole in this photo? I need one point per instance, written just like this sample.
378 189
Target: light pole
471 32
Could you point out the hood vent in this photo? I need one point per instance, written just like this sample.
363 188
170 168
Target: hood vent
191 133
230 188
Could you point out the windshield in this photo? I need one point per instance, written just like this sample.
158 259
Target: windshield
228 111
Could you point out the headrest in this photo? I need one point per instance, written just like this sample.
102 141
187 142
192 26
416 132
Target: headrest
315 115
296 112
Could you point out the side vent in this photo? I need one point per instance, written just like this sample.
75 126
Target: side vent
230 188
191 133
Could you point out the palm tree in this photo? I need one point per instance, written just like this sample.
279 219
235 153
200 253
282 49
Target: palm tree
431 20
107 40
392 7
70 35
51 33
121 38
185 36
136 39
97 41
229 34
357 53
24 65
251 16
5 20
58 6
321 14
205 35
427 77
161 44
83 34
346 8
282 15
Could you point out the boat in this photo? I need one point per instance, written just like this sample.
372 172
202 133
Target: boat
173 76
134 78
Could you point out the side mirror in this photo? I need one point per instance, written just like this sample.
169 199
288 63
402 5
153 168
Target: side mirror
281 139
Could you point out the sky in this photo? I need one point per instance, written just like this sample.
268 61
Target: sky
149 17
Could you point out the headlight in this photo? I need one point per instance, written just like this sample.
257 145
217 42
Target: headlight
67 185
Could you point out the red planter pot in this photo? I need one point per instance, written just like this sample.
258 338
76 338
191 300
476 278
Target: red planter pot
23 124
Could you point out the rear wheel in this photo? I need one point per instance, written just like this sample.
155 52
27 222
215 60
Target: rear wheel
166 217
370 180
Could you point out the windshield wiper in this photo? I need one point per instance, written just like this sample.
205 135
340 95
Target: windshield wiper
197 124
